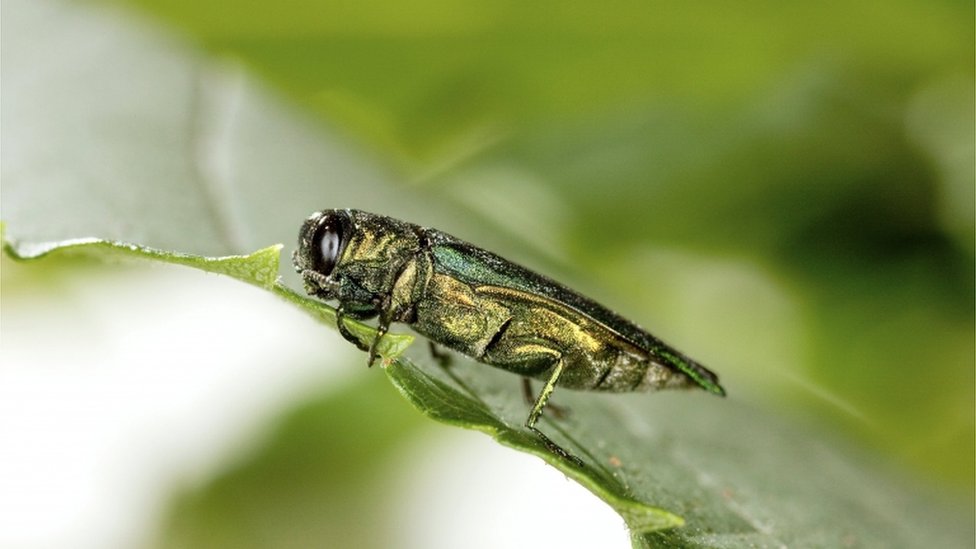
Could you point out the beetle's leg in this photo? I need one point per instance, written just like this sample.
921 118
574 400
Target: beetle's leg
526 355
386 317
558 412
536 413
527 391
543 398
345 333
380 332
442 358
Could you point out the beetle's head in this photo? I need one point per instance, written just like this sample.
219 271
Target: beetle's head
350 254
321 242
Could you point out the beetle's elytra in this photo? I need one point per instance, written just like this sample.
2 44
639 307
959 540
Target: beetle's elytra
481 305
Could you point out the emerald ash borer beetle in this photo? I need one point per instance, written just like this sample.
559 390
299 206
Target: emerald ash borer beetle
484 306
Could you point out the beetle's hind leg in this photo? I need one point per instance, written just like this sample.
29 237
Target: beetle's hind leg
536 413
558 412
524 354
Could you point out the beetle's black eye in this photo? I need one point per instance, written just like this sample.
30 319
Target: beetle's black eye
329 240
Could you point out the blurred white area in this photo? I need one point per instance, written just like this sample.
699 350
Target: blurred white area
121 388
465 490
117 390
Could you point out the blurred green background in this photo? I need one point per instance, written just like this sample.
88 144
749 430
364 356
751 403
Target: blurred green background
827 147
785 189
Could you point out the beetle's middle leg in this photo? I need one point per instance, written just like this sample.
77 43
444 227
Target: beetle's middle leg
389 307
385 319
443 358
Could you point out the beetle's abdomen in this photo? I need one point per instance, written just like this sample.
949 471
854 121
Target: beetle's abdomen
523 334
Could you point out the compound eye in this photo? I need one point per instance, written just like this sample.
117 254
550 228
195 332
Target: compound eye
329 244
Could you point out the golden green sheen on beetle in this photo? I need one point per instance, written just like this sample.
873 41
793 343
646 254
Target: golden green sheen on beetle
481 305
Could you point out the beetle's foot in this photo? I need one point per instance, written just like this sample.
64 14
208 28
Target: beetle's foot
556 449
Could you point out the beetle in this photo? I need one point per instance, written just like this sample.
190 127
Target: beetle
484 306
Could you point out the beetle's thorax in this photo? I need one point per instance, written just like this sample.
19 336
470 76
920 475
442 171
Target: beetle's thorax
375 254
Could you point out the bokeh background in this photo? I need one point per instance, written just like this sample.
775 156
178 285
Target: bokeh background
786 191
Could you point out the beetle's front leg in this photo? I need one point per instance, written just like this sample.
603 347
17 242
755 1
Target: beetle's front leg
345 333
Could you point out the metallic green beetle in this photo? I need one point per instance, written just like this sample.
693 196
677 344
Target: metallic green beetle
483 306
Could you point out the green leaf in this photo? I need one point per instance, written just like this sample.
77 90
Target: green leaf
726 470
736 475
456 402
